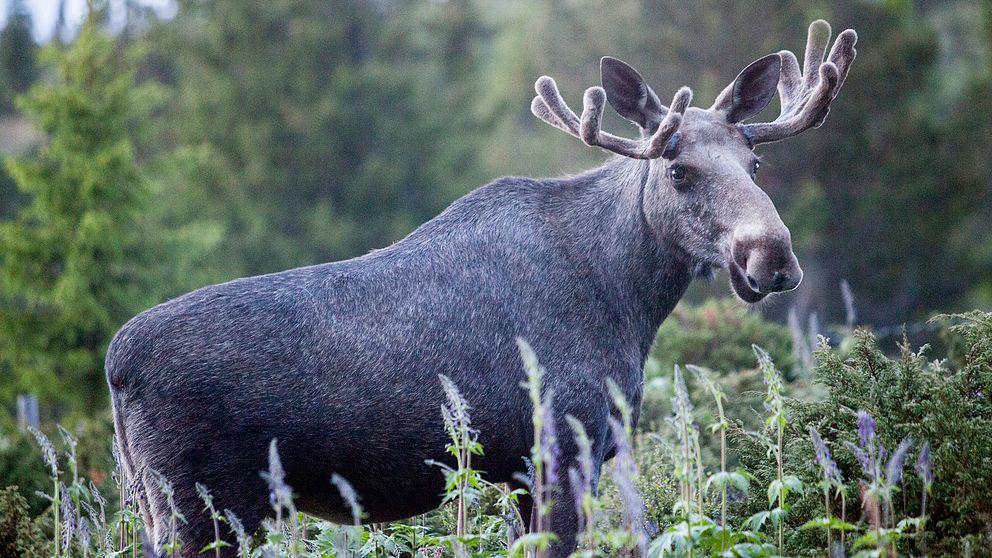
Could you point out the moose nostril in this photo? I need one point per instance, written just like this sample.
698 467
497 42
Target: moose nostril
751 282
779 280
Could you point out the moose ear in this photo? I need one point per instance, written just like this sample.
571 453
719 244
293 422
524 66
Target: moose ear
751 92
630 95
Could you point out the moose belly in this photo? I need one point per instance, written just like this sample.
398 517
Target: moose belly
384 446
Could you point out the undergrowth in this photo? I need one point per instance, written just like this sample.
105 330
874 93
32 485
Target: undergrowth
893 459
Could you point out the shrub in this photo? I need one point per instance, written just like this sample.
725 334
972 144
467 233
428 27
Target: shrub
945 403
873 416
20 466
718 334
20 537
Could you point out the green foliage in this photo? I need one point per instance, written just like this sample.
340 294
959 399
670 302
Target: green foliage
18 53
19 459
20 536
718 334
316 131
942 402
81 257
701 507
715 335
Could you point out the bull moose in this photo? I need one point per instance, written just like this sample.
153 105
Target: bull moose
339 362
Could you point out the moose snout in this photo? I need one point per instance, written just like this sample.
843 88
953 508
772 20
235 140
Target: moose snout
769 265
780 281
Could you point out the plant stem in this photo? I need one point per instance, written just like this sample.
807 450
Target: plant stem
723 489
58 523
723 470
122 527
843 516
216 535
923 524
826 504
781 486
688 479
699 476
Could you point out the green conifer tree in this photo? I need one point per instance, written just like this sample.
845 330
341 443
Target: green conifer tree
79 258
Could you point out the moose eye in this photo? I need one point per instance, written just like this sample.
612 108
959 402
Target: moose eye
754 169
677 173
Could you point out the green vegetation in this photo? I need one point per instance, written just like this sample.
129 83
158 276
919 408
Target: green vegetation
84 254
895 457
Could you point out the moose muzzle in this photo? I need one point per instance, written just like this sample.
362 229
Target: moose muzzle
762 265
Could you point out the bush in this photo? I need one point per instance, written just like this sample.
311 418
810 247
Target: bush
718 334
21 466
769 500
945 403
20 460
20 537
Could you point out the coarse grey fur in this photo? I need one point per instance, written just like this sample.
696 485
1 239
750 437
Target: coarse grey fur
339 362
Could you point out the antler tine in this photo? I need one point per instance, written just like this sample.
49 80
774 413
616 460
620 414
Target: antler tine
540 109
557 112
806 94
817 40
550 107
842 54
790 82
593 103
673 120
646 148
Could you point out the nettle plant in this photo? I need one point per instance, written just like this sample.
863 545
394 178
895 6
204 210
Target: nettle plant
875 469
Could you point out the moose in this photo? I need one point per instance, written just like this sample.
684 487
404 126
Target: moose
339 362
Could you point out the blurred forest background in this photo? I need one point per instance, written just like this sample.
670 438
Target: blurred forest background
155 149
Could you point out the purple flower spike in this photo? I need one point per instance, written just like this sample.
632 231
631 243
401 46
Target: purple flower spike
47 451
549 442
924 465
280 494
893 472
624 476
577 483
866 429
823 458
68 518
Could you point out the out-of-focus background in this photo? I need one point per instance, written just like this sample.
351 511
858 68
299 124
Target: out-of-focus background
155 146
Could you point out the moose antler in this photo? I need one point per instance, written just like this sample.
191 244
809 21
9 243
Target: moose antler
551 108
806 95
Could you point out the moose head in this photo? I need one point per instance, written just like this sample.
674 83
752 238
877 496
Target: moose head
701 196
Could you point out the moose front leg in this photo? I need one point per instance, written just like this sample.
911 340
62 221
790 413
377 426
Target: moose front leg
565 521
576 470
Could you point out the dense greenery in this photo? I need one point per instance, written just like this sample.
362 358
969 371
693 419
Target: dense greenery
925 494
85 253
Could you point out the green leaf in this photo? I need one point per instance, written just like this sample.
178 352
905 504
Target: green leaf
778 515
214 545
793 483
531 541
757 521
833 523
773 489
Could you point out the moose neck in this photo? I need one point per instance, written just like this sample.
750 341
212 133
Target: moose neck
601 225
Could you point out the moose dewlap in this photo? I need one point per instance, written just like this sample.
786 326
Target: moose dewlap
339 362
